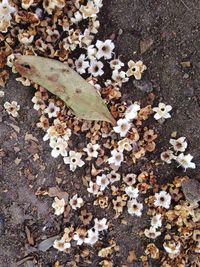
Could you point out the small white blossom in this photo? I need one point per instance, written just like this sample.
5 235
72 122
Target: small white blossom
136 69
179 145
38 103
132 111
52 110
162 199
152 233
76 202
167 156
12 108
58 205
104 49
59 147
96 68
61 245
186 161
74 160
92 237
156 221
91 52
100 225
172 247
113 177
93 188
91 150
117 157
90 10
6 10
79 239
132 192
98 3
77 17
123 126
134 207
102 181
116 64
125 144
119 77
162 111
81 64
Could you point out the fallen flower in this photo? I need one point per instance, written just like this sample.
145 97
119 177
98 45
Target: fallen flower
167 156
91 150
93 188
76 202
81 64
52 110
156 221
74 160
96 68
162 111
102 181
12 108
162 199
152 233
132 111
104 49
59 147
117 157
61 245
100 225
185 161
136 69
132 192
92 237
123 126
172 247
58 205
179 145
134 207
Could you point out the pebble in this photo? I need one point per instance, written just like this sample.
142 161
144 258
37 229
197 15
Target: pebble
191 190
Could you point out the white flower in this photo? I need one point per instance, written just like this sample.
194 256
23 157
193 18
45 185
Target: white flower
134 207
156 221
117 157
93 188
100 225
167 156
119 77
79 239
125 144
132 111
162 111
12 108
113 177
162 199
59 147
38 103
81 64
91 150
96 68
152 233
116 64
6 10
179 144
58 205
77 17
91 52
132 192
90 10
61 245
74 160
98 3
172 247
92 238
102 181
52 110
185 161
123 126
76 202
104 49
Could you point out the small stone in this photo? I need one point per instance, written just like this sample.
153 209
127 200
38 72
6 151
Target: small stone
186 76
191 190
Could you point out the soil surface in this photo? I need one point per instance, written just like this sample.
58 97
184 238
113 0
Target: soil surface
164 34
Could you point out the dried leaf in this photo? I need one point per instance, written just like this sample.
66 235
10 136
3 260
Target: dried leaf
80 96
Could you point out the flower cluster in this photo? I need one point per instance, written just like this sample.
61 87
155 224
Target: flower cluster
179 146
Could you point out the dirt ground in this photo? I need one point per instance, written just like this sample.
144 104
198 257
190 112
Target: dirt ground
172 30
